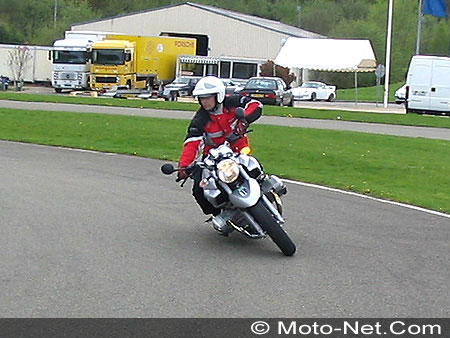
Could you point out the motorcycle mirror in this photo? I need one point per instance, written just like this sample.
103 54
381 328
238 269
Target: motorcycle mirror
240 113
167 169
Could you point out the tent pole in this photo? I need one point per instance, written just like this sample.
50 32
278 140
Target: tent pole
297 76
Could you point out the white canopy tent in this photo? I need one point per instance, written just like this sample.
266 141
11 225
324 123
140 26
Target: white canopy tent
331 55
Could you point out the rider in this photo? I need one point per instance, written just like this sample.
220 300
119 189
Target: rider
209 128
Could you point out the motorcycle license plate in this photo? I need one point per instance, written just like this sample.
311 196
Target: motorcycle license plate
257 95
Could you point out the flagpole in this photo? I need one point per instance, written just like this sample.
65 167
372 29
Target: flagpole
419 27
388 54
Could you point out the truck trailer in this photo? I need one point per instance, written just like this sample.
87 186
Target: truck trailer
137 62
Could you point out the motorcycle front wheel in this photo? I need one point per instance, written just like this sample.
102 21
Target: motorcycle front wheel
265 219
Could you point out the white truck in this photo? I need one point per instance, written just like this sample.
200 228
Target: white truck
71 61
428 85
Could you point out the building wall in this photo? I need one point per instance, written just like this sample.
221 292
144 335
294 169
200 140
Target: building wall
227 36
39 68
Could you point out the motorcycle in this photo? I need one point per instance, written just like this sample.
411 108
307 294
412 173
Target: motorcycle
249 199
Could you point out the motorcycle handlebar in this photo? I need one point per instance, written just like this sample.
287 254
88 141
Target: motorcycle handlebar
168 168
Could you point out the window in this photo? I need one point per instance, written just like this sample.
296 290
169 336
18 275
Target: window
108 56
261 84
243 70
310 85
193 69
60 56
281 84
225 69
212 70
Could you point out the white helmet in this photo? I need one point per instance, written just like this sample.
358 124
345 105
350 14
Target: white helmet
209 86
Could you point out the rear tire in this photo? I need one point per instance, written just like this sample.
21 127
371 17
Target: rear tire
331 98
58 90
273 229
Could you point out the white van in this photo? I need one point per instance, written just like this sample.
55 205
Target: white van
428 85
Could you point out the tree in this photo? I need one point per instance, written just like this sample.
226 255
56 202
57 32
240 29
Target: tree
7 32
320 16
18 62
269 69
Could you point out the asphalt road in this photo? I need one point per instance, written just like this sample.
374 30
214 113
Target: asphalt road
99 235
386 129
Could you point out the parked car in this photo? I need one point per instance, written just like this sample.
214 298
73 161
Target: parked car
181 86
313 91
232 87
400 95
268 90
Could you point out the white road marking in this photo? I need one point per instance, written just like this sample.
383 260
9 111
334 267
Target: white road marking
413 207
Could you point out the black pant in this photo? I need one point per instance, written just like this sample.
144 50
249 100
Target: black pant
206 207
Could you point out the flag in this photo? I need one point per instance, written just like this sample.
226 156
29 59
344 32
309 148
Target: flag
435 7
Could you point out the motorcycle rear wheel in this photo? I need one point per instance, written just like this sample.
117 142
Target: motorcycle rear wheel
265 219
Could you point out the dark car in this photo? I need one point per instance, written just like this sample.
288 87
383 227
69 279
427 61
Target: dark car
268 90
181 86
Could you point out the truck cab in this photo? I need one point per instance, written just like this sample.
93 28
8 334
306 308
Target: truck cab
113 64
70 64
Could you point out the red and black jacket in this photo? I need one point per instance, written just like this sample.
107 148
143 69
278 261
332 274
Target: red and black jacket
209 130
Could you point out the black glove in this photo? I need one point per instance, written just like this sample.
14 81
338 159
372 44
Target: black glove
182 174
241 128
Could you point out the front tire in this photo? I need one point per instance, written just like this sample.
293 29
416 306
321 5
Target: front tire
273 229
313 97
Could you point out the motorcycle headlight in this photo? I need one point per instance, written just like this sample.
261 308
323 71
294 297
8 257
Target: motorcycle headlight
228 171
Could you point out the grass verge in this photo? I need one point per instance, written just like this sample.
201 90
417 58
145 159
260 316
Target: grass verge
410 119
403 169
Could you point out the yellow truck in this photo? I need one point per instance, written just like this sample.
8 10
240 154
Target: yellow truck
137 62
